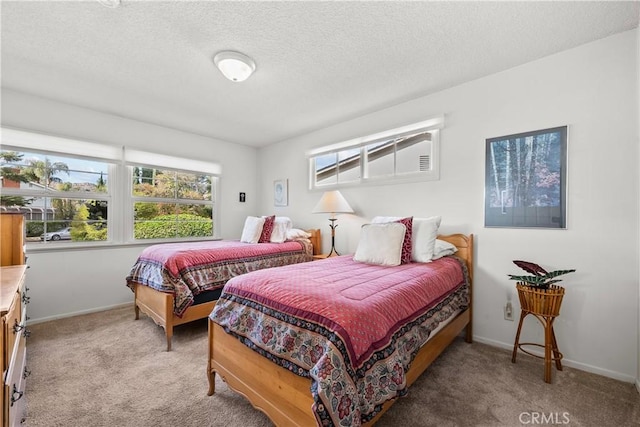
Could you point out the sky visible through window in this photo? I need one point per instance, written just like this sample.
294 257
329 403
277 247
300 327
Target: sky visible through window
80 170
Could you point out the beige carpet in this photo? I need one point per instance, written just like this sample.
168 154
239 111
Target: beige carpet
106 369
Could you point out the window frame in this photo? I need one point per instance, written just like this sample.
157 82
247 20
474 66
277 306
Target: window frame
132 200
432 125
49 193
119 196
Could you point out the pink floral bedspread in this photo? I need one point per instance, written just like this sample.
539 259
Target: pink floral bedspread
353 328
190 268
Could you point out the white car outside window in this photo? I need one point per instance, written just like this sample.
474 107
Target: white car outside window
64 234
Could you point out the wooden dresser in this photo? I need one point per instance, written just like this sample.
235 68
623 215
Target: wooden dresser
12 233
13 320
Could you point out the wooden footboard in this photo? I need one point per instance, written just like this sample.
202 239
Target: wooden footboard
283 396
286 397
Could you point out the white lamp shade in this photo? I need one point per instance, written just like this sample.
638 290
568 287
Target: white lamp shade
332 202
235 66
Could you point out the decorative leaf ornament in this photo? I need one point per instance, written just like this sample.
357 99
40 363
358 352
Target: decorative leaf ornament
530 267
541 278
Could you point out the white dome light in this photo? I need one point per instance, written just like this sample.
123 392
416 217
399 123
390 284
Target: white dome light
235 66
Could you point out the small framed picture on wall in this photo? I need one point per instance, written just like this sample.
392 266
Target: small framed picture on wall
280 192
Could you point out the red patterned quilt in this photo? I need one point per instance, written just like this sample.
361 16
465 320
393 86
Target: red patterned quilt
190 268
352 328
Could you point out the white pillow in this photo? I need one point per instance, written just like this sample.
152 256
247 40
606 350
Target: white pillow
280 227
296 233
443 248
380 244
423 236
285 220
252 229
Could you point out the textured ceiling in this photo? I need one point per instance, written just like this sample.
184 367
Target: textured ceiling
318 63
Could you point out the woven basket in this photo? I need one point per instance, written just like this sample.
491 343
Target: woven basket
544 302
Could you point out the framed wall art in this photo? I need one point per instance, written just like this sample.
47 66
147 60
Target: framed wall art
526 180
280 192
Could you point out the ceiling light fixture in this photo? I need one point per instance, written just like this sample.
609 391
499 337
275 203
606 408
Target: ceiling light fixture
235 66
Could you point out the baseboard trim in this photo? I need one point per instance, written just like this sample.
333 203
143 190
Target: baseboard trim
79 313
570 363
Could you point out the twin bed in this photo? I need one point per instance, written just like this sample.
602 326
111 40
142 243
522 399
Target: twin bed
176 283
335 342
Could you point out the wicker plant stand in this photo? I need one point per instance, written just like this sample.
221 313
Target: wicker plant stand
544 304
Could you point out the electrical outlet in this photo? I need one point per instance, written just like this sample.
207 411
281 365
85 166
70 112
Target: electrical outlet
508 311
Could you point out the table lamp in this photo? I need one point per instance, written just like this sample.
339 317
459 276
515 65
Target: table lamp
332 202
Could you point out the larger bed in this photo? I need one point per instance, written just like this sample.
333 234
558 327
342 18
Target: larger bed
177 283
307 356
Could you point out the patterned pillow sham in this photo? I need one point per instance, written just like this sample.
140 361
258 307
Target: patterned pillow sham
405 258
267 229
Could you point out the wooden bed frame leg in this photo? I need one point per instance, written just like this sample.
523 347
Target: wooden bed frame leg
169 333
468 337
168 324
211 376
135 301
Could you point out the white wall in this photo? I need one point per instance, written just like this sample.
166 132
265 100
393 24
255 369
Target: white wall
70 282
594 90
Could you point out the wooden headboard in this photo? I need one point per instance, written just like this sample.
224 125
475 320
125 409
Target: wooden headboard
316 240
464 243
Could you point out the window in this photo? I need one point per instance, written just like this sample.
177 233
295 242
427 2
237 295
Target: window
69 198
404 154
56 193
339 167
169 203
